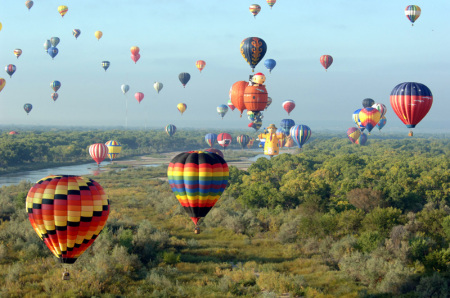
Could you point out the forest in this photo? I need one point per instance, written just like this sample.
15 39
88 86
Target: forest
334 219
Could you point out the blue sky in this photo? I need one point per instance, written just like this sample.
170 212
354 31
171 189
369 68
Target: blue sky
374 48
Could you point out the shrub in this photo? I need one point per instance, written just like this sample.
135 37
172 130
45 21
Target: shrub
433 286
365 199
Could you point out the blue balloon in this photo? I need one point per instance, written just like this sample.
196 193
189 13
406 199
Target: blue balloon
286 125
210 139
270 64
52 51
300 134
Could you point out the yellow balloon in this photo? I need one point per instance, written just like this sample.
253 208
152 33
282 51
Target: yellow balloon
181 107
62 9
1 26
2 83
98 34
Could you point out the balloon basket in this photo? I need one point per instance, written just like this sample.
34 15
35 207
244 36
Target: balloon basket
197 230
66 275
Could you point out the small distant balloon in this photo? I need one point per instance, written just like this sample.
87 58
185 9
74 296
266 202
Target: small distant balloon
326 61
381 123
54 96
47 45
125 88
184 78
139 96
181 107
76 33
288 106
222 110
271 3
158 86
254 9
135 54
200 65
105 65
29 4
10 69
55 85
52 51
412 12
98 34
17 52
27 107
2 83
170 129
62 9
231 105
270 64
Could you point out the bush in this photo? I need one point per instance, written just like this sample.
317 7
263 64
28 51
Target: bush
433 286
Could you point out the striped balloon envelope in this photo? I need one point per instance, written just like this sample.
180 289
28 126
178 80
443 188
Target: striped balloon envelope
98 152
114 149
254 9
362 140
67 213
353 134
243 140
231 105
197 179
356 119
326 61
271 3
369 118
170 129
300 134
210 139
412 12
381 108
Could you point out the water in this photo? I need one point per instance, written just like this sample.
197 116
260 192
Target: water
255 158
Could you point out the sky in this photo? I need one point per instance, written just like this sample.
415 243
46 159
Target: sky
374 48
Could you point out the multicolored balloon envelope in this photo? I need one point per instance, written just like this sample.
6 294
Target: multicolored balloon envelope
170 129
353 134
243 140
369 118
362 140
114 148
326 61
214 150
253 50
254 9
210 139
222 110
28 107
198 179
68 213
411 102
412 12
300 134
200 64
381 123
271 3
231 105
224 139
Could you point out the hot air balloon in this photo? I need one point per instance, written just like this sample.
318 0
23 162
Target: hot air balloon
255 125
362 140
381 123
47 45
76 33
55 85
250 143
139 96
10 69
254 9
114 149
369 117
184 78
281 138
197 179
326 61
222 110
300 134
271 3
17 52
170 129
98 34
54 96
270 64
28 107
105 65
215 151
237 95
356 119
1 26
12 132
353 134
231 105
224 139
412 12
368 102
54 41
52 51
411 102
98 152
135 53
289 142
181 107
124 88
200 65
2 83
158 86
254 116
210 139
255 98
269 102
381 108
288 106
243 140
253 50
29 4
68 213
62 9
286 125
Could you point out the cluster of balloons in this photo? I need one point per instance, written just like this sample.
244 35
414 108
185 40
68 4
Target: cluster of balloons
50 46
99 151
256 8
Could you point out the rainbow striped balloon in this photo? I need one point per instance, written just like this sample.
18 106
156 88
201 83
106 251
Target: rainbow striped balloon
300 134
197 179
412 12
67 213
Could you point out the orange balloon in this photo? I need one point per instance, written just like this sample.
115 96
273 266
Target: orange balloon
135 50
237 95
200 65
